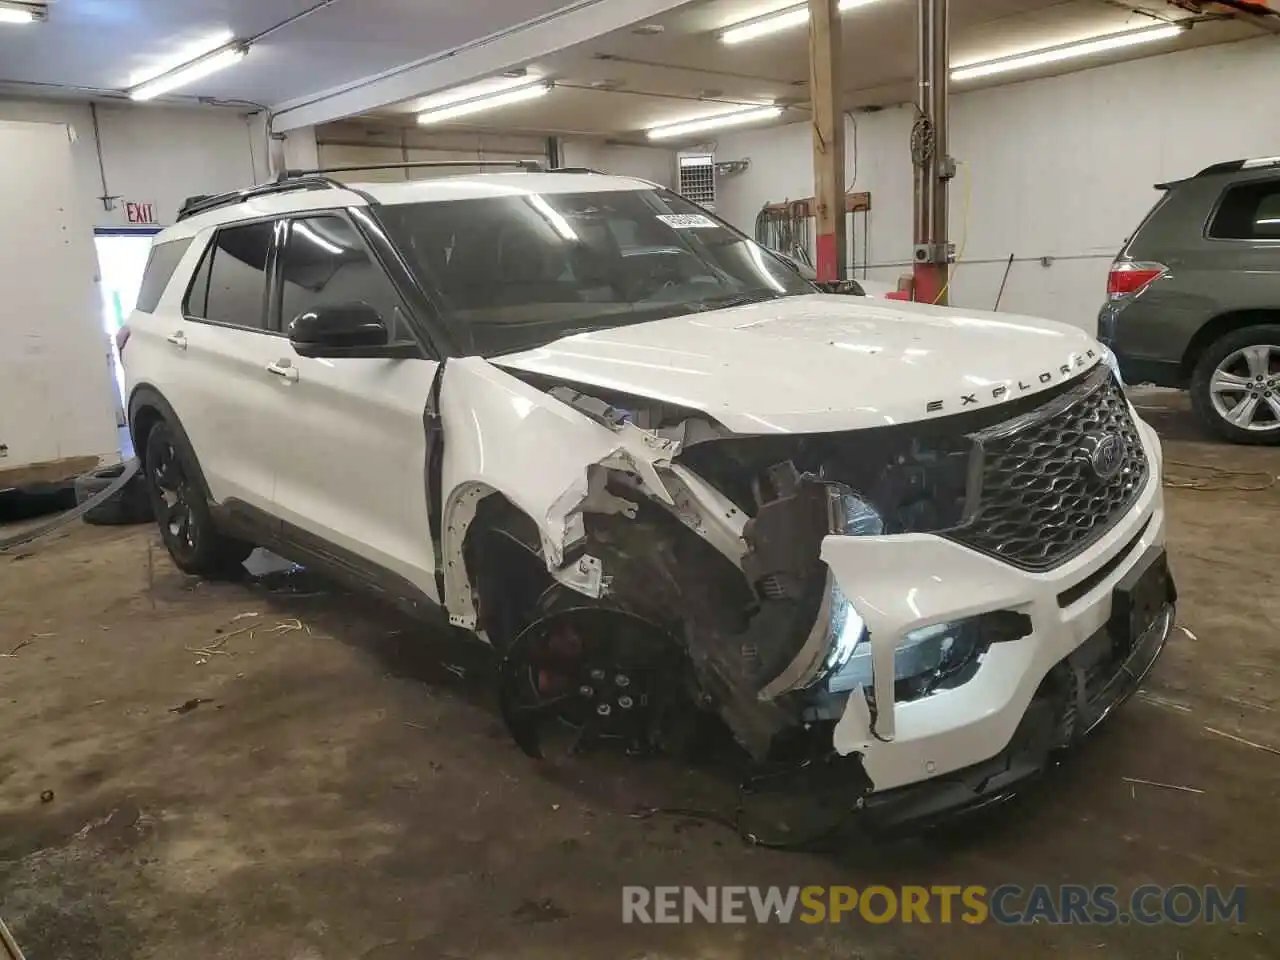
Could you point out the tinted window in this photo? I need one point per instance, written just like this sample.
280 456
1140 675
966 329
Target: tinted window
161 264
198 293
1250 211
325 263
234 272
516 272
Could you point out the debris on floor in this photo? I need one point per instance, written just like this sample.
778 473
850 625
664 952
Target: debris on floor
1164 786
189 705
1247 743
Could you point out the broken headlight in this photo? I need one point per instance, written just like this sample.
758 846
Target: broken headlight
933 657
921 653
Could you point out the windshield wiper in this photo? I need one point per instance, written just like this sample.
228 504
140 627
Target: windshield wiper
735 300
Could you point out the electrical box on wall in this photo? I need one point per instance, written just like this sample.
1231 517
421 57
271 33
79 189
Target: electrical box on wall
697 178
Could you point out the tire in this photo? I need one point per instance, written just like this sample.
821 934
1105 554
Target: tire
131 504
182 512
1225 360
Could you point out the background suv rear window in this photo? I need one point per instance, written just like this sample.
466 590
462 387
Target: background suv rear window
1250 211
161 264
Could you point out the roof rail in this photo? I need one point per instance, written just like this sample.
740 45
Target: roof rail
204 203
574 170
532 166
319 179
1234 166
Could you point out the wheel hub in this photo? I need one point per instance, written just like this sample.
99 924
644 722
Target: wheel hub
1245 388
592 674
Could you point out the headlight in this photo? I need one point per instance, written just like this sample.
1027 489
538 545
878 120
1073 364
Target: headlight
851 516
837 655
922 652
931 656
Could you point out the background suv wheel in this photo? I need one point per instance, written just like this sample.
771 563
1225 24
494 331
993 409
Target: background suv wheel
181 510
1235 387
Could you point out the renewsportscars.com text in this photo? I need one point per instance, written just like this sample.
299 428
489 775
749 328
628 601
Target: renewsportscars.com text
1007 904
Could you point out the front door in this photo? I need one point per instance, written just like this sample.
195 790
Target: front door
350 463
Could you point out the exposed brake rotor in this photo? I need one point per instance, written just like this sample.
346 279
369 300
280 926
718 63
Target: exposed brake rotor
589 675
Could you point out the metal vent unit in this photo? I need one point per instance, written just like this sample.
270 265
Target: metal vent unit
698 178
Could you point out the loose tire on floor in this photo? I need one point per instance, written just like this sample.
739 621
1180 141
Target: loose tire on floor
182 512
1235 387
131 504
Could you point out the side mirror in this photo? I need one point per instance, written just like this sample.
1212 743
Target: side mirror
338 330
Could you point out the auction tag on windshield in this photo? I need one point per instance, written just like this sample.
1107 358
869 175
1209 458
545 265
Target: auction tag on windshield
687 221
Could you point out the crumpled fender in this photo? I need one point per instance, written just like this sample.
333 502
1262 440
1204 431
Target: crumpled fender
502 435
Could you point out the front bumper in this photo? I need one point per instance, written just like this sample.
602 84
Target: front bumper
902 583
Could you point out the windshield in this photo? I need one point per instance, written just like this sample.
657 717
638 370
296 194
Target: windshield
520 271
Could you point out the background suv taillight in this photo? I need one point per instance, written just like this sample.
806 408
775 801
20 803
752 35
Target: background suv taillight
122 337
1129 277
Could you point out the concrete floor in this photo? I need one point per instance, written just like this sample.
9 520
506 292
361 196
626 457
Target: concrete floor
343 793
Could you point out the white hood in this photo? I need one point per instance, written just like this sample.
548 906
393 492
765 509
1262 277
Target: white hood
819 363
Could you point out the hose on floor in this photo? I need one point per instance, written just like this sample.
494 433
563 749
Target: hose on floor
62 519
11 948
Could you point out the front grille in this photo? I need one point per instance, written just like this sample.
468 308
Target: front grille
1036 501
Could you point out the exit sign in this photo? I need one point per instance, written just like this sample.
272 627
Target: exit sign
142 213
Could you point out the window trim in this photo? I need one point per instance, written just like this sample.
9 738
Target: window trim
210 249
397 350
426 311
1217 207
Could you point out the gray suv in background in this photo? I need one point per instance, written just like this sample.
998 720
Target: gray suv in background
1194 298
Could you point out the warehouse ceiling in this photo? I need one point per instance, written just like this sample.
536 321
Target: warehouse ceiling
619 65
106 45
674 67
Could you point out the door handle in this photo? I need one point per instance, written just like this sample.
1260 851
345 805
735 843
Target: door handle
285 369
178 339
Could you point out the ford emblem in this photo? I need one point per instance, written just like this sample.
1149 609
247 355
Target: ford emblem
1104 453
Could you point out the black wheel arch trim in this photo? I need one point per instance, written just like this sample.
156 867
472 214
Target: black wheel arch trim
146 396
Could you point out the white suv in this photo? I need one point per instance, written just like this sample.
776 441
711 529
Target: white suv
631 449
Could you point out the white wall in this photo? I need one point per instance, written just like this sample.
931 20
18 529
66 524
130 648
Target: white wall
352 142
1061 167
647 163
159 155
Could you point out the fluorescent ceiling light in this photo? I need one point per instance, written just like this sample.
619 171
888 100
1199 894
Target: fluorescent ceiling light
713 122
531 90
189 73
180 56
796 16
1066 51
15 13
471 91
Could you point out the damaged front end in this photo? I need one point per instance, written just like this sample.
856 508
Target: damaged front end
710 545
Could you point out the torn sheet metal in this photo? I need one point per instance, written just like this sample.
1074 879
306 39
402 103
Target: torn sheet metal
503 435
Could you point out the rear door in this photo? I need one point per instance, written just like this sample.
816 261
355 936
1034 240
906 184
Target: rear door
216 376
350 464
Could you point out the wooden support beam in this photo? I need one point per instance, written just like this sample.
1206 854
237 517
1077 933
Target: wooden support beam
828 137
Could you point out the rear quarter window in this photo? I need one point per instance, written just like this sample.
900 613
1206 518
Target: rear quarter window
1250 211
161 264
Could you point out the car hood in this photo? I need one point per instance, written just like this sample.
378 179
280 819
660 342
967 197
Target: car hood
821 363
